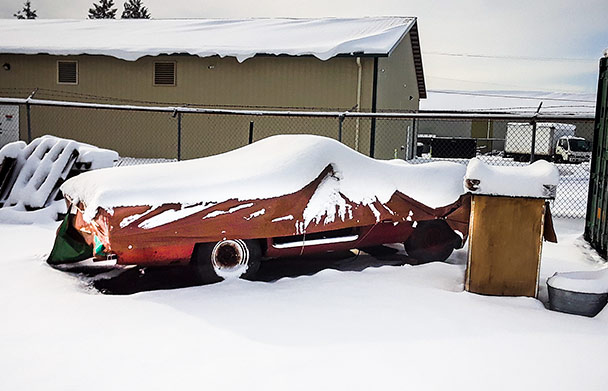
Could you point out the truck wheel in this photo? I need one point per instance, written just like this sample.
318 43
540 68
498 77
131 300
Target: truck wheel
432 240
226 259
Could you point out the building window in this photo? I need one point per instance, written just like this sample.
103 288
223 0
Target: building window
67 72
164 73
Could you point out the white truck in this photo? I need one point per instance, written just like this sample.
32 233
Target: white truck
554 141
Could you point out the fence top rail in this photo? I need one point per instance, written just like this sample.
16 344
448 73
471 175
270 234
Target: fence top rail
281 113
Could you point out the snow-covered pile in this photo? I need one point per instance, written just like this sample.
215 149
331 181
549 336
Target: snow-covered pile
131 39
12 150
38 170
272 167
595 281
538 180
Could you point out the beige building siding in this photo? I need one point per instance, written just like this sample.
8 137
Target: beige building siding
397 91
397 83
262 82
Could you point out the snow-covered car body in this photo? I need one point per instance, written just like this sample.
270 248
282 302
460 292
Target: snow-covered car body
295 195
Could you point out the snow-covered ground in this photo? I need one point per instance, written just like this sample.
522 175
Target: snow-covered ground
388 327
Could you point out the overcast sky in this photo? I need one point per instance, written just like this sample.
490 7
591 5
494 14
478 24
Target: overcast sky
525 45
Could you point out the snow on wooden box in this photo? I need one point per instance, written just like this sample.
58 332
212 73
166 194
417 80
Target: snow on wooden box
538 180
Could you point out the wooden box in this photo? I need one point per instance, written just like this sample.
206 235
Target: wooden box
505 243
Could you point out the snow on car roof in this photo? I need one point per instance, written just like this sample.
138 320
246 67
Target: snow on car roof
271 167
241 38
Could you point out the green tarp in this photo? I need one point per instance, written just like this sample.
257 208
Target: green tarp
69 246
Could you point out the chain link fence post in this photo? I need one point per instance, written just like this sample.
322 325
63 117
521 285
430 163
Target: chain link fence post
533 146
28 115
177 114
179 136
29 122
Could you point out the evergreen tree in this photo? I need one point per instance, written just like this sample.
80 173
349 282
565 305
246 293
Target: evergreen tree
135 10
27 12
103 10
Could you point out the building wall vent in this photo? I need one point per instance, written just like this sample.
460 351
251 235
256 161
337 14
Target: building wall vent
67 72
164 73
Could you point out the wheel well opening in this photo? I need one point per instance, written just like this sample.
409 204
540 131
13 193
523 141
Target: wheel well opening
261 242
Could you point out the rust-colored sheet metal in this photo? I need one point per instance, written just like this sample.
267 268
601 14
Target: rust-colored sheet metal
133 236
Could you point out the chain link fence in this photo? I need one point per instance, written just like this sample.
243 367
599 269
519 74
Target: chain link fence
145 134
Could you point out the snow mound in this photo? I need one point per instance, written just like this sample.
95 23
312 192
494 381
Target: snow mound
271 167
12 150
32 174
131 39
537 180
595 281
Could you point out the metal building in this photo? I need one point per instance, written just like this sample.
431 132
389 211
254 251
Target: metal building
367 64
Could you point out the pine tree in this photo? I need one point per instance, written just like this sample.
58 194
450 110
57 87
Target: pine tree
27 12
103 11
135 10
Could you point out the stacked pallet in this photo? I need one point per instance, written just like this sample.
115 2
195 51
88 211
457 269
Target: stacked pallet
31 174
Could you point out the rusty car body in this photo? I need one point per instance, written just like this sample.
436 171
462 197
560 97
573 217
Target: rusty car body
229 237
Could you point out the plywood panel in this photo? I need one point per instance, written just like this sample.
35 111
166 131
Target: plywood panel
505 245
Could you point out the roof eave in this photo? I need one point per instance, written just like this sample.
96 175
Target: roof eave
417 54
